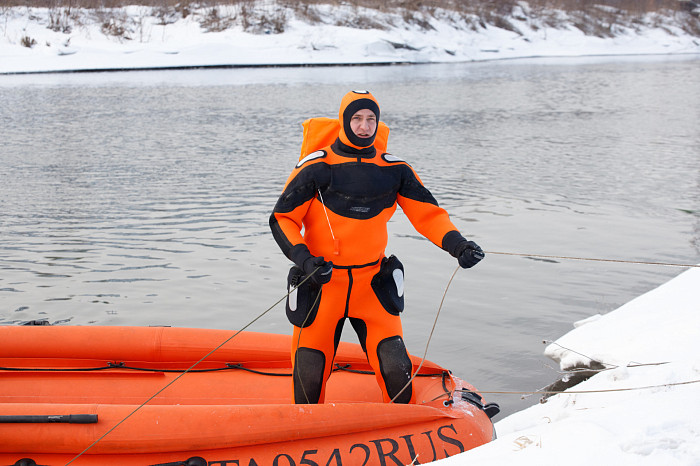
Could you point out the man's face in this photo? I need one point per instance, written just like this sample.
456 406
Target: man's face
363 123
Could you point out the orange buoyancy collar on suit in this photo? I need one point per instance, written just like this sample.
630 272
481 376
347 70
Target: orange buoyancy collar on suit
342 198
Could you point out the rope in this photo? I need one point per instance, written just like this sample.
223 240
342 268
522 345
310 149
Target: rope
326 212
303 324
593 259
607 367
564 392
228 367
608 390
54 369
346 368
121 365
185 372
432 330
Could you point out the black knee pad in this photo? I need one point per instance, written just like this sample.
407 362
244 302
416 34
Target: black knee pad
396 367
308 375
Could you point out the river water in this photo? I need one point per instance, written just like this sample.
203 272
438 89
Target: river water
143 198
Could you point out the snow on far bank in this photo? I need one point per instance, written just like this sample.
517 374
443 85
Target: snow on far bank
136 37
643 409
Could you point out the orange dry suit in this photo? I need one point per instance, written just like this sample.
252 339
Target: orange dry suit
342 197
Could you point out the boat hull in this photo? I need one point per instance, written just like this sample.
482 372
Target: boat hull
233 408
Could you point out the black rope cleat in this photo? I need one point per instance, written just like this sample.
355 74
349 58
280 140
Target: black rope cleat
491 409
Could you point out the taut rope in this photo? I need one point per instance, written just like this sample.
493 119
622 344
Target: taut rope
593 259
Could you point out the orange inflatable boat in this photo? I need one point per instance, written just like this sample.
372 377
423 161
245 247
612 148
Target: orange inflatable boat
121 396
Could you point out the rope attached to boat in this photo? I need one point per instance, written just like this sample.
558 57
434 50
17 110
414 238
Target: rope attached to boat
186 371
432 330
230 366
119 365
303 324
346 368
602 390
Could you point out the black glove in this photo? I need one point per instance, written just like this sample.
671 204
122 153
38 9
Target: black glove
469 254
323 274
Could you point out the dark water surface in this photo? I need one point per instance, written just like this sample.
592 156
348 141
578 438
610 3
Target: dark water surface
143 198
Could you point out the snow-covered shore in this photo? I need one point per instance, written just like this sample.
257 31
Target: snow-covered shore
137 37
642 409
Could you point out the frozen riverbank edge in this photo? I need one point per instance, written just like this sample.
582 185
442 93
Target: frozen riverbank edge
42 40
640 409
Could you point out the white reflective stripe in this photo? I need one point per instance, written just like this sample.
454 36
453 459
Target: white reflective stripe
293 300
391 158
398 279
314 155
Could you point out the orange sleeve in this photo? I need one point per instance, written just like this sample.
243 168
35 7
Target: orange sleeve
429 220
286 220
424 213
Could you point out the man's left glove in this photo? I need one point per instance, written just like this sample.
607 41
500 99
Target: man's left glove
469 254
323 274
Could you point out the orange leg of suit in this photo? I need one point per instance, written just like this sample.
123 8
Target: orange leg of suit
350 295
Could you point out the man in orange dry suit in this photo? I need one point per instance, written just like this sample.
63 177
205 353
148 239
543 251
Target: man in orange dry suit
343 196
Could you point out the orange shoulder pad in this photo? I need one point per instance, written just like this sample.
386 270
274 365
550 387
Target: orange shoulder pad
321 132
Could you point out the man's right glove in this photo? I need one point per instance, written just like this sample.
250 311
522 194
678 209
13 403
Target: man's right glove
469 254
323 274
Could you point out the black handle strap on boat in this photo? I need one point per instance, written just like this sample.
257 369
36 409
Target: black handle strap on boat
254 371
194 461
26 462
449 399
491 409
49 418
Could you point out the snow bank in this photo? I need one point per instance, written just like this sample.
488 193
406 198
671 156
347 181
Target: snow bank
642 409
138 37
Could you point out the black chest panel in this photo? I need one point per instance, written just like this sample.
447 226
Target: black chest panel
361 190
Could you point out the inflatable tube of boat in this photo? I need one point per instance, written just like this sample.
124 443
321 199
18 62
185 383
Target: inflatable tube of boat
140 402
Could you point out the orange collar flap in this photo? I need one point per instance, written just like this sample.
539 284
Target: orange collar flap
321 132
